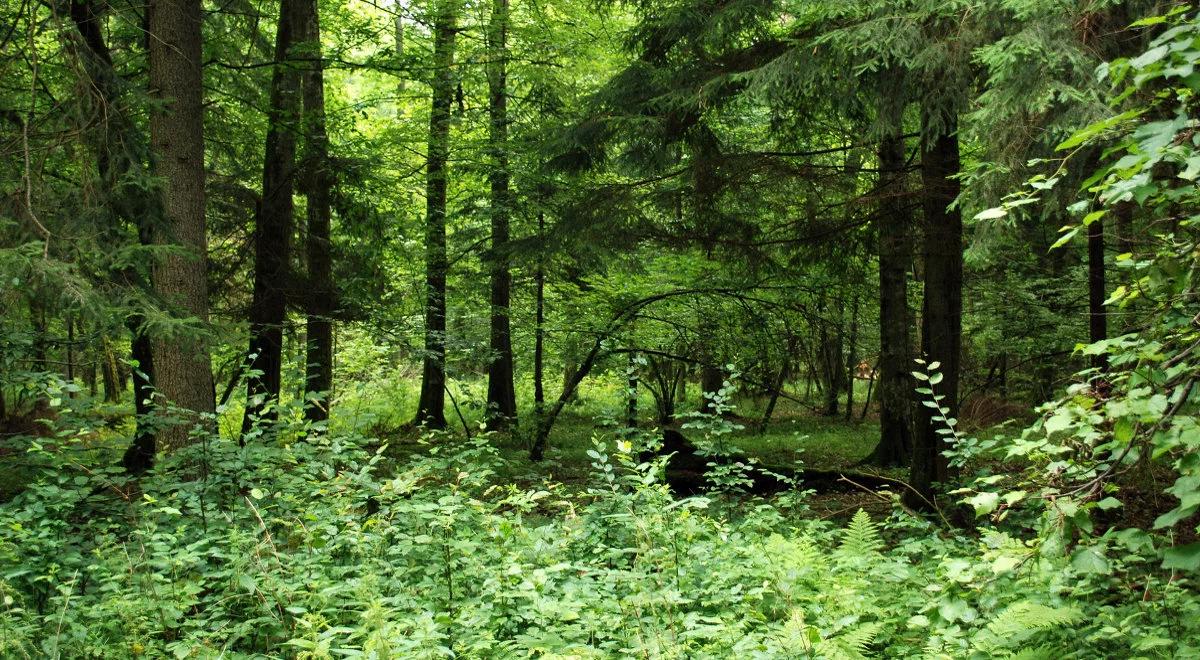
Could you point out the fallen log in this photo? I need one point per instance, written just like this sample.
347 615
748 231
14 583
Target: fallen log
687 472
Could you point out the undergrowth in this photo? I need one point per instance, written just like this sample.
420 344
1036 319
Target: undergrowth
322 548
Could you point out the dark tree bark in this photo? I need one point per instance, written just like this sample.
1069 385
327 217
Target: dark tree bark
631 393
70 366
139 456
1097 317
851 358
318 181
831 361
273 224
777 386
941 317
502 398
712 377
431 407
37 322
1124 213
539 334
109 373
895 385
182 365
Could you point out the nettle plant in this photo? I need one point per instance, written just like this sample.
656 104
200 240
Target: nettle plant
1100 450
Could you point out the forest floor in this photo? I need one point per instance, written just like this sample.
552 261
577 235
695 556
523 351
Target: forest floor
797 436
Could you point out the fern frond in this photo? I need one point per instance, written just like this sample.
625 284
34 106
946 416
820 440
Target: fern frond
1029 616
1043 652
1019 621
861 536
851 644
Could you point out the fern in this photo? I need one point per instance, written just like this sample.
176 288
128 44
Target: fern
850 645
1043 652
861 536
1020 621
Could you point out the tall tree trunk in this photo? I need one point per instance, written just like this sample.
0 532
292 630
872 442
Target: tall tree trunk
318 180
70 366
502 398
851 358
431 407
631 391
37 322
941 316
273 226
539 334
895 386
1097 319
182 365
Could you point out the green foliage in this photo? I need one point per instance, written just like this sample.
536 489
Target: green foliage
1138 420
326 547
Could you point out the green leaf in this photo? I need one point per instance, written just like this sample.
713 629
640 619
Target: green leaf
1090 559
1149 57
992 213
1183 557
1148 21
984 503
1065 238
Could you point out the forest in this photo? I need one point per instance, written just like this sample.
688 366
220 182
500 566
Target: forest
577 329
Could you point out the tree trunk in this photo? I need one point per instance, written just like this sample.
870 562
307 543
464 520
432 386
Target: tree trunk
539 335
318 180
851 359
831 364
712 378
139 456
273 226
109 372
631 391
431 408
895 385
37 321
182 365
70 366
502 398
780 379
1097 320
941 317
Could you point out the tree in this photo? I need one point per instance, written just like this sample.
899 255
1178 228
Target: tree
273 224
941 309
893 226
317 181
431 405
502 398
183 369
